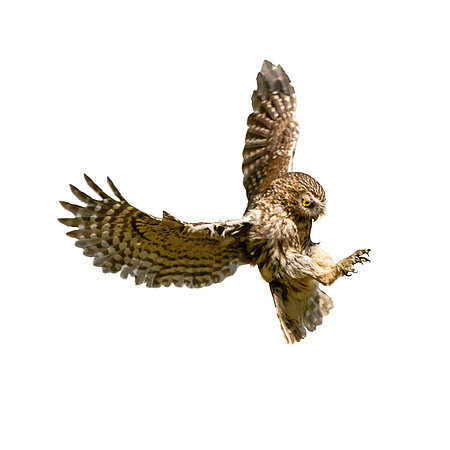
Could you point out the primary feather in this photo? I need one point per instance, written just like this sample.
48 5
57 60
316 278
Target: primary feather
157 252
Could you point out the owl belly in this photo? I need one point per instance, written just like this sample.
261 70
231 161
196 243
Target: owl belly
276 268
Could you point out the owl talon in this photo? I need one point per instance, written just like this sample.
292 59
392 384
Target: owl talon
361 259
347 265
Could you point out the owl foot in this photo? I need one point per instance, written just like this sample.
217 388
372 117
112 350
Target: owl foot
347 265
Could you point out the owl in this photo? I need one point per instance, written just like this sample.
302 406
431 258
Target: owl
273 234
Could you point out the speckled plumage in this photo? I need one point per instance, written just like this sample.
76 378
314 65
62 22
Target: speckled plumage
274 233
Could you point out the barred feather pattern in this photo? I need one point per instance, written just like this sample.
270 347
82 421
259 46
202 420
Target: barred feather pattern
157 252
272 131
274 233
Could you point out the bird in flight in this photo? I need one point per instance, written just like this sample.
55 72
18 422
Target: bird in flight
273 234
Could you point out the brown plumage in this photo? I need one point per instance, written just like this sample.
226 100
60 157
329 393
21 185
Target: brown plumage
272 131
157 252
274 233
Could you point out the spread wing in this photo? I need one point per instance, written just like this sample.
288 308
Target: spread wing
157 252
298 311
272 131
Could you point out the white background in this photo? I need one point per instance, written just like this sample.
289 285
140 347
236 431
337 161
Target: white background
156 95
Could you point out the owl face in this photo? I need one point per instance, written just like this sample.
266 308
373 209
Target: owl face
310 206
299 194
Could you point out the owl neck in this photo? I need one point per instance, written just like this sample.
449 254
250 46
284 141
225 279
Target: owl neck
304 232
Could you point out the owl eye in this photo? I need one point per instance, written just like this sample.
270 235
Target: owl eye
307 203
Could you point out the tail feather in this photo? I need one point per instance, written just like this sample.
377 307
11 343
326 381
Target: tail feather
299 311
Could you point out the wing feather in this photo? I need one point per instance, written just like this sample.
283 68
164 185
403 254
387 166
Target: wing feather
272 131
157 252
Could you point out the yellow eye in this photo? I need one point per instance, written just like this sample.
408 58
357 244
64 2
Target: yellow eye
307 203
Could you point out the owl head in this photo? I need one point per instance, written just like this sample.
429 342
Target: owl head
299 194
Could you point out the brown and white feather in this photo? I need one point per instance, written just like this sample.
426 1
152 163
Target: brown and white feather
157 252
272 131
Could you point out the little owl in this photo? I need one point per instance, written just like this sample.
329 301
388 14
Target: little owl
273 234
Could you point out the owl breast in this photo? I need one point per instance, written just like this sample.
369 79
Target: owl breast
273 241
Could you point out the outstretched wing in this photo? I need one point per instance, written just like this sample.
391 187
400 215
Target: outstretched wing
272 131
298 311
158 252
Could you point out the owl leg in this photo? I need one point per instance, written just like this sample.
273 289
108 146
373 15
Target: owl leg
301 265
347 265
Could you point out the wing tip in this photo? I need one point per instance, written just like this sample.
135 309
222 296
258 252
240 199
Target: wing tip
273 78
115 190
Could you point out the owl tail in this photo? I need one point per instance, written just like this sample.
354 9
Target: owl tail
298 312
